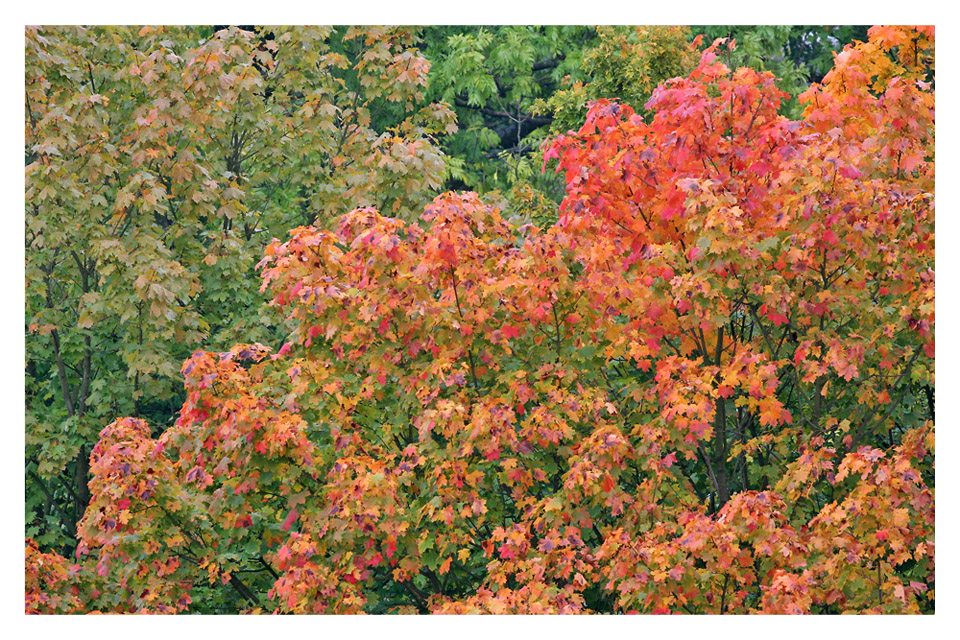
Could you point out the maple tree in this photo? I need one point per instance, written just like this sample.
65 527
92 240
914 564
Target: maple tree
709 388
160 162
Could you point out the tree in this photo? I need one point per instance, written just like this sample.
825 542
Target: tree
627 62
159 164
493 77
707 389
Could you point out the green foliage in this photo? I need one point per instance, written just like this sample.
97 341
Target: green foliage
493 76
627 63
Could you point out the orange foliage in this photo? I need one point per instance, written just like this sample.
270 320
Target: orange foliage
681 398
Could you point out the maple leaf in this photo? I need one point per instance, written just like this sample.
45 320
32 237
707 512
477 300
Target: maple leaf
289 520
510 331
607 484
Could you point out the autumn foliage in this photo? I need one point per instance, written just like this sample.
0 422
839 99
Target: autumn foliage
707 389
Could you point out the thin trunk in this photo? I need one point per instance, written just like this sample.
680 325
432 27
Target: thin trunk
243 589
62 373
720 436
928 390
81 471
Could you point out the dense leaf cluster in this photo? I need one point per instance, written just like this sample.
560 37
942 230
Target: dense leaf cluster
707 387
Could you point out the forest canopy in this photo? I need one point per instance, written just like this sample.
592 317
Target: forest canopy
512 319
